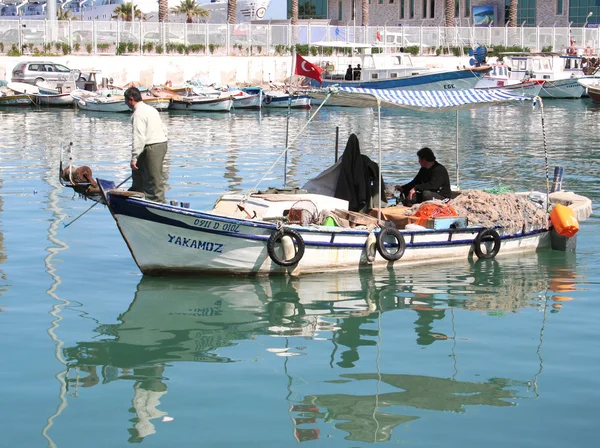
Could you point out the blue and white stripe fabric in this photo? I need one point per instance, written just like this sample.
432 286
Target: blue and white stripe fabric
423 100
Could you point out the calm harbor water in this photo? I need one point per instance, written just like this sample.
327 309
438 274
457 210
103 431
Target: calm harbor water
495 353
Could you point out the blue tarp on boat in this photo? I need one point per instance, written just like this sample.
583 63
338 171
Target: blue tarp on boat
423 100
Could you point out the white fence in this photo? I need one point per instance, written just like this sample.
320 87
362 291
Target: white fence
118 37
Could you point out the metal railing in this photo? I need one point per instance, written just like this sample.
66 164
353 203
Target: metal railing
139 37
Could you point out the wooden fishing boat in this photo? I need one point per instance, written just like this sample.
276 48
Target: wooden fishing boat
202 103
277 99
592 87
97 102
15 99
284 233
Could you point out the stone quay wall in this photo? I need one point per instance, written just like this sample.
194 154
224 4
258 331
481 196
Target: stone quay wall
220 70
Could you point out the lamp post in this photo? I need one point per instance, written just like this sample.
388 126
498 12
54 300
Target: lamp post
585 25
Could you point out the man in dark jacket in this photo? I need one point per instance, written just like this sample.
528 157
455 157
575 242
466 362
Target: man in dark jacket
431 182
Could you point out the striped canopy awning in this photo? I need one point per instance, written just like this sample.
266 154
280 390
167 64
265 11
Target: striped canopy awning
423 100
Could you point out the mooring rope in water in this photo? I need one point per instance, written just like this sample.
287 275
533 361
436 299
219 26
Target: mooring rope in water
535 102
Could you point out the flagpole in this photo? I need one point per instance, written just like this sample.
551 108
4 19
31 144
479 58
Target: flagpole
287 121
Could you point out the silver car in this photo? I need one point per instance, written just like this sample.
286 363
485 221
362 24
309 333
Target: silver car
33 72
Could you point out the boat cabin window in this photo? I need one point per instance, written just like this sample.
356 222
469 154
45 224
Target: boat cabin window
374 76
522 64
537 64
393 75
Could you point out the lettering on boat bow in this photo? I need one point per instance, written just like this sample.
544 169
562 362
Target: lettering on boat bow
192 243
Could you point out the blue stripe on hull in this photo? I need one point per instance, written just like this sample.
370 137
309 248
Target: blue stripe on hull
404 82
141 210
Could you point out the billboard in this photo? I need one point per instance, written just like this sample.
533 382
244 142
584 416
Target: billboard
483 15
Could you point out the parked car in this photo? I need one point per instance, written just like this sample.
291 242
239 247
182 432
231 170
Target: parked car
33 72
156 38
11 36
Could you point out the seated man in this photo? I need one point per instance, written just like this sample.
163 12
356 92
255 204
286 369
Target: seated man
431 182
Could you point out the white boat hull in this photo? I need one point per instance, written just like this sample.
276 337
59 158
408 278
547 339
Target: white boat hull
16 100
167 240
203 105
562 88
158 103
59 100
281 102
249 102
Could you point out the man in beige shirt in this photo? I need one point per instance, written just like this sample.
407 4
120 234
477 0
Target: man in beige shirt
149 148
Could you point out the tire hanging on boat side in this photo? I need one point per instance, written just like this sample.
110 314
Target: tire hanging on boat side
482 237
276 237
383 250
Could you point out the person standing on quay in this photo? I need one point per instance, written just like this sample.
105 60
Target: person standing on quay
149 148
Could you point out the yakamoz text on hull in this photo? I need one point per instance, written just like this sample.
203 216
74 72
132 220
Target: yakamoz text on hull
309 230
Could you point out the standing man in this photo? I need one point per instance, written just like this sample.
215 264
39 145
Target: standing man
431 182
149 148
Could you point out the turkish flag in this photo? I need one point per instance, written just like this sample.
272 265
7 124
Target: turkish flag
305 68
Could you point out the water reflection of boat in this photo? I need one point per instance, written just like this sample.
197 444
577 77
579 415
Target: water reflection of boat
203 320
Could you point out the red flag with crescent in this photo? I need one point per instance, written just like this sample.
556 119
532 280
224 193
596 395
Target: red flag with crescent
305 68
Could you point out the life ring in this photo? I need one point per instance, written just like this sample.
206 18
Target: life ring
383 250
276 237
482 237
571 51
588 51
268 99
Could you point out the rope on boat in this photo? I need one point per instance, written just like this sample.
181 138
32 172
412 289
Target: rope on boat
245 197
538 100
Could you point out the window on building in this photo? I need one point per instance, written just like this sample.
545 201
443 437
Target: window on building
424 5
310 9
402 9
467 8
579 11
411 11
432 8
457 8
340 10
526 12
559 7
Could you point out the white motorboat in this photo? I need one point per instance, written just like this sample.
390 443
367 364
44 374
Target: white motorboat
395 71
500 78
560 73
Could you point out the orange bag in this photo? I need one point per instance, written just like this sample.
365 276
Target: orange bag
564 221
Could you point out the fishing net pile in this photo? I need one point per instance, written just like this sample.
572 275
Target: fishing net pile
511 211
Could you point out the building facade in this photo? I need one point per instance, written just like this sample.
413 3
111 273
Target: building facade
544 13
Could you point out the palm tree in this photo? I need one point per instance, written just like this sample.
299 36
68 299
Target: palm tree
231 11
163 11
449 6
294 12
512 12
191 9
64 14
365 12
127 11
